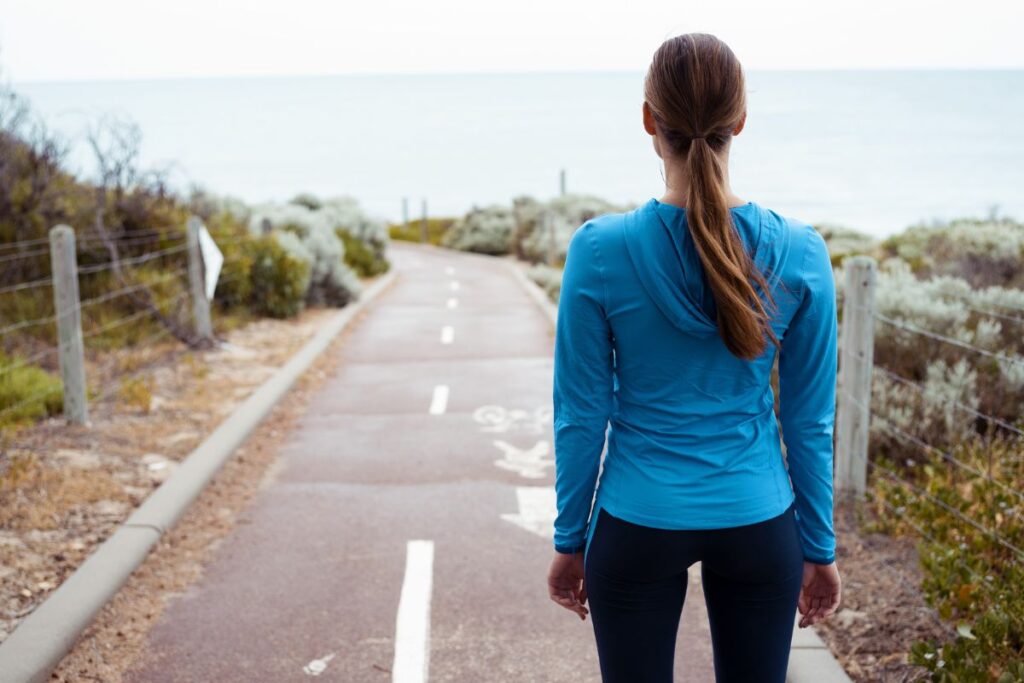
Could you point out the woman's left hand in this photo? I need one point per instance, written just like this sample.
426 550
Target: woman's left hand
565 582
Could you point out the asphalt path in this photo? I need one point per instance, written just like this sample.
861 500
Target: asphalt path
407 533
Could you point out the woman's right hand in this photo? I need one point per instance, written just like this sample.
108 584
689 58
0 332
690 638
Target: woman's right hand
820 593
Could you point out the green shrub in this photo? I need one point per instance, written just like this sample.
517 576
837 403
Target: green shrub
234 286
308 200
137 392
972 576
436 229
484 230
983 251
278 280
35 392
548 278
359 257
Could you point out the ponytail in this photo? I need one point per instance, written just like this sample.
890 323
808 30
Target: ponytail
743 321
696 84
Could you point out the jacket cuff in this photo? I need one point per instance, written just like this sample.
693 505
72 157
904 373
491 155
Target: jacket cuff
570 549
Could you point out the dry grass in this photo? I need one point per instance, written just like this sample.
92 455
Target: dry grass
36 495
137 392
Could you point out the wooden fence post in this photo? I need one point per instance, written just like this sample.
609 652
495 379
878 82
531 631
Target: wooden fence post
424 230
856 360
64 265
197 284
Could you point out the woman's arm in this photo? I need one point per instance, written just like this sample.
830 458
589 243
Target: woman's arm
582 388
807 395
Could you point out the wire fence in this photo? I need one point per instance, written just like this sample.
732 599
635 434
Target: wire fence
151 298
909 474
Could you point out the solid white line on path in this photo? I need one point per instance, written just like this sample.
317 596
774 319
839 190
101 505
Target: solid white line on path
412 626
439 402
447 334
455 285
449 270
453 302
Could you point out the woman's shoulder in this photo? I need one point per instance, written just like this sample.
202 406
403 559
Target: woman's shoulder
602 232
798 245
605 223
789 229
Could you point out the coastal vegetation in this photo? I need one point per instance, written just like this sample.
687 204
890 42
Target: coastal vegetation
129 226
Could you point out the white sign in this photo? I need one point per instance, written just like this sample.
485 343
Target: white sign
212 260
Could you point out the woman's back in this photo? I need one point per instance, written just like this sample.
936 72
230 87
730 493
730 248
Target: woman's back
693 440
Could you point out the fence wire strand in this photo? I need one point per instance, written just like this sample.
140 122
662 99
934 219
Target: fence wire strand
888 426
91 302
924 495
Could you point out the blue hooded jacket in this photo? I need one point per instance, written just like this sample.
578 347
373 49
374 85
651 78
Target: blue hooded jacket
692 437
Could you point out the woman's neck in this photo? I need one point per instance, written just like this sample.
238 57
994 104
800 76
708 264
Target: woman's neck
677 198
677 184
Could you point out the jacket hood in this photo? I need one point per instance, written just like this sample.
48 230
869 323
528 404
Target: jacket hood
665 258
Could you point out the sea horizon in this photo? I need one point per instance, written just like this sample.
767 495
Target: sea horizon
870 149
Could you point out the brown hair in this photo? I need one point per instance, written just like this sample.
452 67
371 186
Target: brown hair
696 93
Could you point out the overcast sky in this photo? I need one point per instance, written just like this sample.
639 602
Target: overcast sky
115 39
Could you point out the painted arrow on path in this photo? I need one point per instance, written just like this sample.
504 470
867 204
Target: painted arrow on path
537 510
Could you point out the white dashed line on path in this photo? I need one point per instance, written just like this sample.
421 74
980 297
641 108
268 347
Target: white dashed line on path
453 302
455 285
317 666
412 626
449 270
447 334
439 402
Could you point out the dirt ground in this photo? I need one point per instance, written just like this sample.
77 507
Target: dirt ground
883 611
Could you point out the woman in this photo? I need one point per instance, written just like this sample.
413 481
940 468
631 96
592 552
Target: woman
669 323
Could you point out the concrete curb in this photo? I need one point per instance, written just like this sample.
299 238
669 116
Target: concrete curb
810 660
37 646
539 296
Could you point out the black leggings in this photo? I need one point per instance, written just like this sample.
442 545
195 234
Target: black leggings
636 580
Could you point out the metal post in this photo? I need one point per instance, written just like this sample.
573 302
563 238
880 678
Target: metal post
856 359
200 304
424 231
64 266
561 181
405 214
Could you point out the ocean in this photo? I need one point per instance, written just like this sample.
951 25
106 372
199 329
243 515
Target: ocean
871 150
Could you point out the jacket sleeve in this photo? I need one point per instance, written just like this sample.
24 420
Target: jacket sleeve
583 388
807 395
